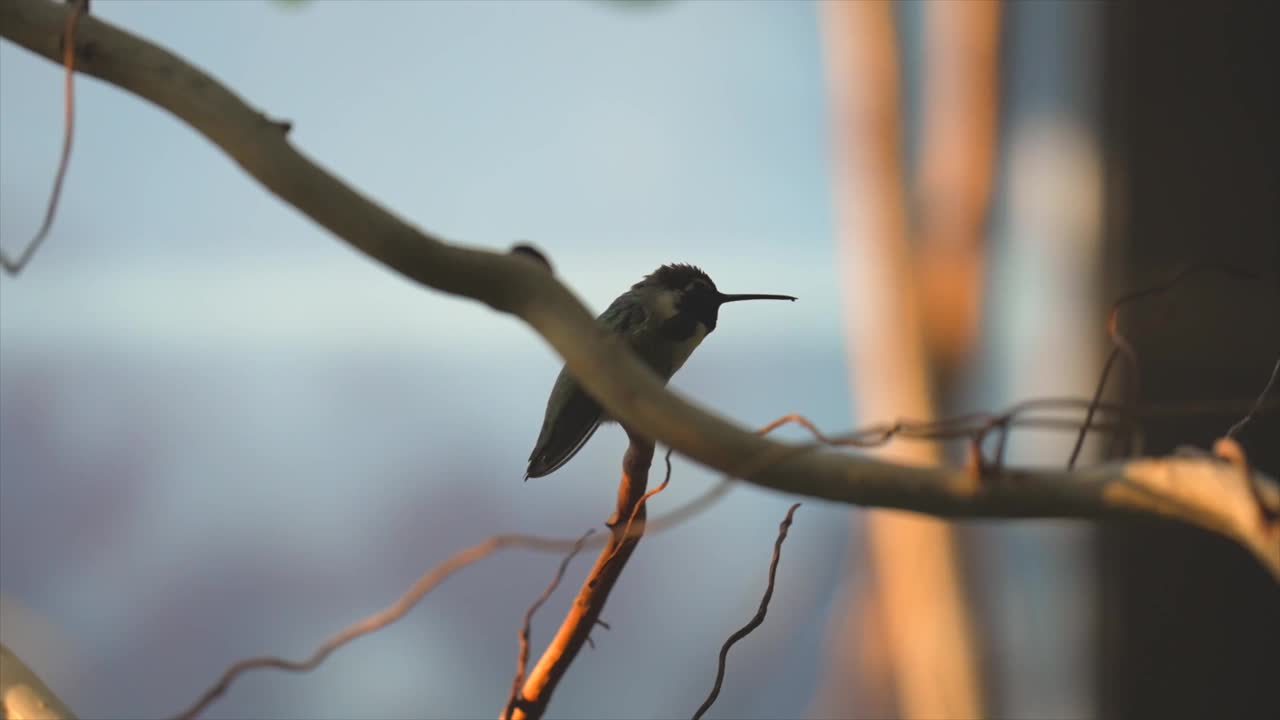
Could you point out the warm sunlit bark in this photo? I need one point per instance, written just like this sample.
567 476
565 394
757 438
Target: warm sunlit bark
585 611
23 696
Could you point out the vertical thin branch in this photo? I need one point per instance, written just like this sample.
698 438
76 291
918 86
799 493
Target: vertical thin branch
78 8
755 621
585 612
1093 407
1266 390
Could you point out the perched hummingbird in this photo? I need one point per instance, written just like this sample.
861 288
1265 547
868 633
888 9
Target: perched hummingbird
663 317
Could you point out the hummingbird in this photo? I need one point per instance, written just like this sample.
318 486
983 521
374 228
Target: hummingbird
663 318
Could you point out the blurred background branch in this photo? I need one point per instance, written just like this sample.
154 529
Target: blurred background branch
912 314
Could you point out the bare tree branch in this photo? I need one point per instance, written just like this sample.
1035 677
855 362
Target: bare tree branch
532 700
1197 491
755 621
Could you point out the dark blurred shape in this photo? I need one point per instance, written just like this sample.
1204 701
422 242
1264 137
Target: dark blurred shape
1189 624
635 4
530 251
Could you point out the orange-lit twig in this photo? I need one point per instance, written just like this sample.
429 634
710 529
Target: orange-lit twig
78 9
800 420
627 532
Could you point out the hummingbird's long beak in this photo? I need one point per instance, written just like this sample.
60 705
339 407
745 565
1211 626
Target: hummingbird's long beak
735 298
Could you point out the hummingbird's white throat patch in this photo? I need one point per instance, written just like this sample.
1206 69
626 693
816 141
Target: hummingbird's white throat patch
664 305
683 349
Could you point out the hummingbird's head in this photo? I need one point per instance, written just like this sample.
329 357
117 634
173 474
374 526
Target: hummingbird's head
687 291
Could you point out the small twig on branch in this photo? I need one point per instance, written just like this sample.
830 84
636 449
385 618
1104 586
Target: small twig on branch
1229 448
592 643
79 9
1093 406
1122 346
1266 390
627 532
1169 487
755 621
522 656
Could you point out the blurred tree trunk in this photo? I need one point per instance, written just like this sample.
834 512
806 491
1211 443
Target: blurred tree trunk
1190 625
902 642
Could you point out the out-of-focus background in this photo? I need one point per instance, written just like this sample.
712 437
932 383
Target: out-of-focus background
223 433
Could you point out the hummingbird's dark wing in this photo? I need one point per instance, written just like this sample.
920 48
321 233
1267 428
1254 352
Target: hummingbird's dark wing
575 421
572 415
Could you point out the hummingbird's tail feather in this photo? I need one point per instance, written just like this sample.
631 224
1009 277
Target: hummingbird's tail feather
565 434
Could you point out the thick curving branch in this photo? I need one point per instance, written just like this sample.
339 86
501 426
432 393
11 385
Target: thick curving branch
1198 491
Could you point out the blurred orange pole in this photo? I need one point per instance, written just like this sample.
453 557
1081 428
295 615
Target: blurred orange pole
925 628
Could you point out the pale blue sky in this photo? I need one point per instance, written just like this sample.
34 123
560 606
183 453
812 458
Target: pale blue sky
614 138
